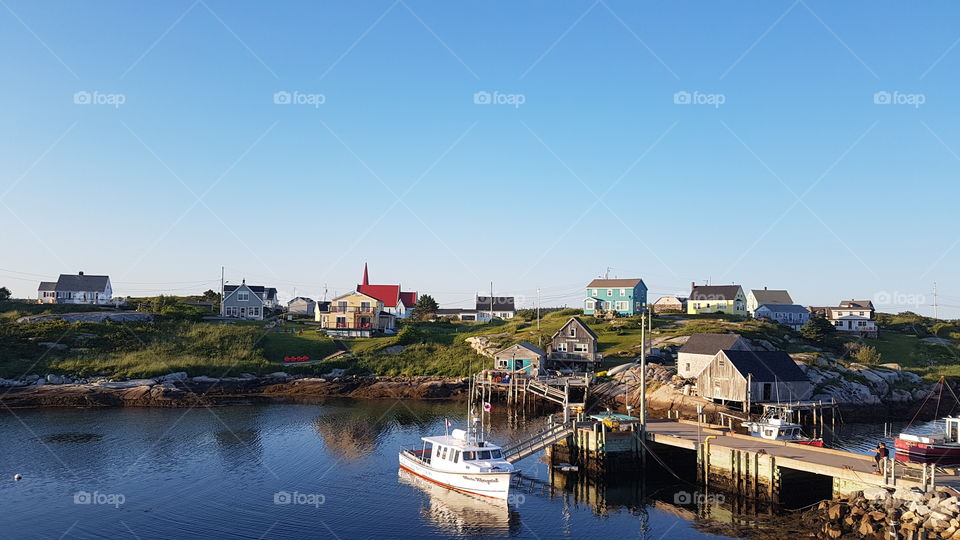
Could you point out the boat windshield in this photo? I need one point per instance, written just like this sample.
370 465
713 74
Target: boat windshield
482 454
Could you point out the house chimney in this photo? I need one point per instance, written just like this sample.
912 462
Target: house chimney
81 273
693 285
764 287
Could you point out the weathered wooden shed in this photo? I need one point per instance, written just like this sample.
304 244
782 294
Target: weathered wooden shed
753 377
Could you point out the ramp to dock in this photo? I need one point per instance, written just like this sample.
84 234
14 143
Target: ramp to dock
538 441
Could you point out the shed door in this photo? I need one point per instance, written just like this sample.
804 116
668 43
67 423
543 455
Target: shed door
767 391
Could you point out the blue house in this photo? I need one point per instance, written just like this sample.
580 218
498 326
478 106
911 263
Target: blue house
625 296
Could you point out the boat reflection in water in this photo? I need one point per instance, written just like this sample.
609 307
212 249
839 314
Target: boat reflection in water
460 514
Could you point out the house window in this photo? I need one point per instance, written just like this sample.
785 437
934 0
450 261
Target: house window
688 367
595 292
609 292
589 304
572 331
255 311
243 297
364 306
623 306
861 314
501 364
580 347
562 347
623 292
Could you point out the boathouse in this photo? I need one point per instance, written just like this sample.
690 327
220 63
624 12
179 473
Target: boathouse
522 358
748 377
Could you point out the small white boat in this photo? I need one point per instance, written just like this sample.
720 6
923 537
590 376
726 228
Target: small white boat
459 461
777 424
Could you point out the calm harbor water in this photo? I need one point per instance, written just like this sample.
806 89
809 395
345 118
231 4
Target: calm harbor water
293 471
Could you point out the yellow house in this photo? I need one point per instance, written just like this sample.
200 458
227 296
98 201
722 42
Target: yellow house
355 315
727 299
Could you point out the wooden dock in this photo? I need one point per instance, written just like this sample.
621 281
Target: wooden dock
755 467
751 467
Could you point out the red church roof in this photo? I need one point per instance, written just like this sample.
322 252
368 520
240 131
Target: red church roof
409 298
390 295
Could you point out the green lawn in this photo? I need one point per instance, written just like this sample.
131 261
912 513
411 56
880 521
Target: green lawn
932 361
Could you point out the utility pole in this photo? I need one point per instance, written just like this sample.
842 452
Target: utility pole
936 314
491 300
221 291
643 373
539 337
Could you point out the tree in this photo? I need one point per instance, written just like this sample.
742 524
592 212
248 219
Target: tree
4 294
868 355
211 296
425 307
817 329
163 303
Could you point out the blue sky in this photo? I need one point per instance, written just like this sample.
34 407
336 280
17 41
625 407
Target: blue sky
797 179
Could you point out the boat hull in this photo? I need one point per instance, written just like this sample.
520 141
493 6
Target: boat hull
946 452
812 442
495 485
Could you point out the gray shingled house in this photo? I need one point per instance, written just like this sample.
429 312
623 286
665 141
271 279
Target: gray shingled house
753 377
700 349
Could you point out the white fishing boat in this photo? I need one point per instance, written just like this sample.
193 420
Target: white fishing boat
462 462
777 424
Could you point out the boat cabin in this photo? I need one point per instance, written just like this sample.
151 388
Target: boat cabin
458 452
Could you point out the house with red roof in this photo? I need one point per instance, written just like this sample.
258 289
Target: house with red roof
395 301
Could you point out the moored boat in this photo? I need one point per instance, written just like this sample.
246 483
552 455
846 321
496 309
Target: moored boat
777 424
462 462
944 446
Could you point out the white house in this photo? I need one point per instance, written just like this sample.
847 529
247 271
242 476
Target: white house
244 301
500 307
76 289
758 297
302 304
854 316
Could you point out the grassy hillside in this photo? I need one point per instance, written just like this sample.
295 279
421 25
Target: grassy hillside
177 342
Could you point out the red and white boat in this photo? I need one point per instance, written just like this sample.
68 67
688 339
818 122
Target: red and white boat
944 447
777 424
462 462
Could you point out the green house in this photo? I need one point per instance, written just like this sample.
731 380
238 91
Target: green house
520 358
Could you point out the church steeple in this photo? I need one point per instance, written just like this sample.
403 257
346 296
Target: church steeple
366 278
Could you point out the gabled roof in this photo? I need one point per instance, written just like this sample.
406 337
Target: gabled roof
82 282
388 294
453 311
670 298
228 291
783 308
409 298
351 293
580 322
715 292
500 303
47 286
862 304
524 345
614 283
299 298
766 366
772 296
709 343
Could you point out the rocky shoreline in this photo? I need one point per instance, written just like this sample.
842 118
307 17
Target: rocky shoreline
910 515
178 390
